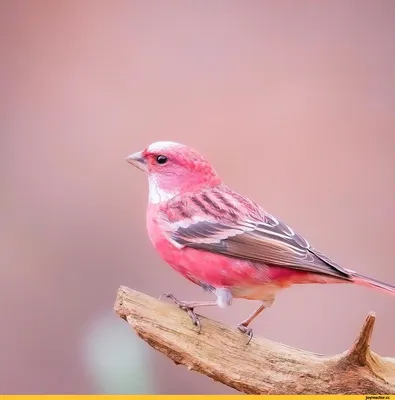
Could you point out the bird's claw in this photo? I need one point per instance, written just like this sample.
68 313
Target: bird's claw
246 330
184 306
194 317
167 295
172 298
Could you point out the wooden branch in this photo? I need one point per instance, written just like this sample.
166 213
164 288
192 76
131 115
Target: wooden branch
263 366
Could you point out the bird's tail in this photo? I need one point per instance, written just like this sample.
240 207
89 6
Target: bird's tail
372 283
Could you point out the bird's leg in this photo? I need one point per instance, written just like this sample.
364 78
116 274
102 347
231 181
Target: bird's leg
189 307
243 326
224 299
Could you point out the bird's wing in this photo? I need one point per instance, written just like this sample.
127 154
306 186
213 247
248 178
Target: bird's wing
254 235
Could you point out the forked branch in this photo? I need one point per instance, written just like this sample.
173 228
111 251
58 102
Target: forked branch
263 366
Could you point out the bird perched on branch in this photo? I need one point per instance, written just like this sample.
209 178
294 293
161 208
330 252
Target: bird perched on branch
221 240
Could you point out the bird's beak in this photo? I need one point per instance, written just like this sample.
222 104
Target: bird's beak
137 159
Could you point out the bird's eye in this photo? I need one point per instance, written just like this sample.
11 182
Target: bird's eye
161 159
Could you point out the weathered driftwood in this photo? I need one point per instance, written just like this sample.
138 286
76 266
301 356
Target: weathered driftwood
263 366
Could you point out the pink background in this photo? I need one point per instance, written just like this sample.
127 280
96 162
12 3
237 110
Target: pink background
293 103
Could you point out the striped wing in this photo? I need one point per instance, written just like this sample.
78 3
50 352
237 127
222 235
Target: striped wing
254 235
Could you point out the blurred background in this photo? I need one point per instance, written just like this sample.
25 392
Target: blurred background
293 103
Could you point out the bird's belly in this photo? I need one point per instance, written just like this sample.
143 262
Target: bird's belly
209 268
266 291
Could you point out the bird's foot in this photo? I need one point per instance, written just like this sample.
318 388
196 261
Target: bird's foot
246 330
184 305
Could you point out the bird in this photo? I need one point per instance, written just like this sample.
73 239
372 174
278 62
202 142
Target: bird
224 242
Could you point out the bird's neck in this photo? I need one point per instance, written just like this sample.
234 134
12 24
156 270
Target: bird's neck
161 191
158 194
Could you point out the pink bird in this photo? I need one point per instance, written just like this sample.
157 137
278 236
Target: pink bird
223 241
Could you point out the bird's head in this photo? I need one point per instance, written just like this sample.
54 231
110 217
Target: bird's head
173 169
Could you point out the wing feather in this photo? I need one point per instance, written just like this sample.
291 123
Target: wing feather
255 236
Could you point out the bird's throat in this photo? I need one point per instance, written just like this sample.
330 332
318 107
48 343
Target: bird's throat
156 193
